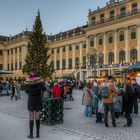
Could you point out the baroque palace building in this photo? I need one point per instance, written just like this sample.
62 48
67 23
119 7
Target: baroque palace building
108 43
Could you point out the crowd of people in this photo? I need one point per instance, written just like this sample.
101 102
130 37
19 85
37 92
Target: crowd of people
120 99
99 97
12 88
36 88
61 89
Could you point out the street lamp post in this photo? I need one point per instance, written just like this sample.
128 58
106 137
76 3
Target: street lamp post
88 63
94 61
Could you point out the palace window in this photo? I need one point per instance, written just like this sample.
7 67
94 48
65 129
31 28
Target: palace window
102 18
122 57
91 42
57 64
15 65
84 61
84 44
52 51
100 40
121 36
123 11
133 55
77 47
20 65
64 48
8 66
111 58
52 65
110 39
11 51
112 15
93 20
70 48
1 66
70 63
93 59
134 7
76 62
133 33
1 52
8 52
64 64
12 66
57 50
101 59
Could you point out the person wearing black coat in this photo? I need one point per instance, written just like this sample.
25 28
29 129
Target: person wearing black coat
34 88
128 103
136 92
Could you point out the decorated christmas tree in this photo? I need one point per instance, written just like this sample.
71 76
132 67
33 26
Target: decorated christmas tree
37 57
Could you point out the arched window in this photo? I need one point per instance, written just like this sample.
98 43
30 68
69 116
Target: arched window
133 56
101 58
111 58
122 57
93 60
64 64
76 62
84 60
70 63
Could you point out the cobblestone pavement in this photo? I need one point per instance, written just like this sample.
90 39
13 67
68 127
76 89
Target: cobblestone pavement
75 124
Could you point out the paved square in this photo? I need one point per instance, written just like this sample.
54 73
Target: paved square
14 123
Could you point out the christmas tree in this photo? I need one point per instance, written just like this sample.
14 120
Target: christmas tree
37 57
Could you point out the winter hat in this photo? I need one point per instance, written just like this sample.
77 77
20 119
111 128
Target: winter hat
33 77
55 84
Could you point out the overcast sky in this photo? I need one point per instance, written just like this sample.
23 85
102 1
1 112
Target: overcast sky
56 15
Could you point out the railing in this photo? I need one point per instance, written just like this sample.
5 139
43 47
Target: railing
115 18
107 66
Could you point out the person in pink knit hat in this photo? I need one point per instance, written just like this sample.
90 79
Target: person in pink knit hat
34 88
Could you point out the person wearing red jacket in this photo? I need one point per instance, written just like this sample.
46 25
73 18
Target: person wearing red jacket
56 91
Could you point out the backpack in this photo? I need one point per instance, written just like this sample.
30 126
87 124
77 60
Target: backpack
95 90
105 94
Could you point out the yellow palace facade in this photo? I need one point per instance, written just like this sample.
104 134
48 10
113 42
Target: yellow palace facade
108 43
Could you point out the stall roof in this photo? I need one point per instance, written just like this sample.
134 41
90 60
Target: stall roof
134 66
5 72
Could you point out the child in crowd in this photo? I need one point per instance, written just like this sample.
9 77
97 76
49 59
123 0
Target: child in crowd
118 104
100 112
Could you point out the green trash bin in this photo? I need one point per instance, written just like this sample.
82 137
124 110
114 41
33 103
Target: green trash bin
52 112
